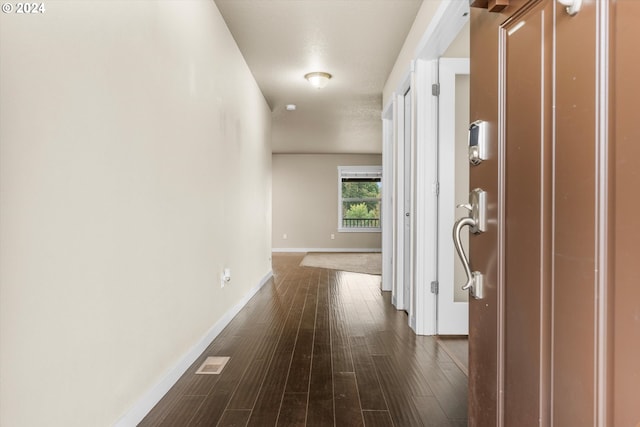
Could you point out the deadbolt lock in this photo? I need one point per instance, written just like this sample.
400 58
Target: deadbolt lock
478 140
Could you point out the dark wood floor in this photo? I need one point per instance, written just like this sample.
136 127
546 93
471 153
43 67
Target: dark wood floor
457 347
319 347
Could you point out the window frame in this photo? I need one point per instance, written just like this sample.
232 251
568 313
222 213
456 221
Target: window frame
355 171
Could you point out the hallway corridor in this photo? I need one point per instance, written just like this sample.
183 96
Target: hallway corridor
318 347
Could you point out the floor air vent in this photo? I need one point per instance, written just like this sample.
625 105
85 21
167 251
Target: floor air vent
212 366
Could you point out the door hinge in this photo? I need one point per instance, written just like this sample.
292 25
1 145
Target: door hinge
435 89
436 188
435 287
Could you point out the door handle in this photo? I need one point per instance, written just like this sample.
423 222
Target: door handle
474 279
477 222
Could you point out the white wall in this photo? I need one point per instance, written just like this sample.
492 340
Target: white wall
305 202
135 164
460 46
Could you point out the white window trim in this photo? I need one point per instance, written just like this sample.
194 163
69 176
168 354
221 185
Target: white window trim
355 171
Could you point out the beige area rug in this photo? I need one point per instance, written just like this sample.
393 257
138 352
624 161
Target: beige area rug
367 263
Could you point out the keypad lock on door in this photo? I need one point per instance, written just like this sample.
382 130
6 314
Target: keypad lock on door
477 222
478 141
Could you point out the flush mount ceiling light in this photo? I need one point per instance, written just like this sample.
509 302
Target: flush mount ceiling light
290 107
318 79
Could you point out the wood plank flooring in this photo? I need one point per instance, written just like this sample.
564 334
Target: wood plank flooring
318 347
458 348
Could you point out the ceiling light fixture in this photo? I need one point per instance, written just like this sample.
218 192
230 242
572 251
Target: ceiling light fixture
318 79
290 107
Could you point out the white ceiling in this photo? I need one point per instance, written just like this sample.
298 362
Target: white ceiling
357 41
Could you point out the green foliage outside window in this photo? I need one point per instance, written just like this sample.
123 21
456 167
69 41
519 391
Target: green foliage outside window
360 211
361 200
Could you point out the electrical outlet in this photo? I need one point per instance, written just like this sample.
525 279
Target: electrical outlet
225 277
333 236
284 236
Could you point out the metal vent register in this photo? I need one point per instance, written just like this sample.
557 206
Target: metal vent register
212 366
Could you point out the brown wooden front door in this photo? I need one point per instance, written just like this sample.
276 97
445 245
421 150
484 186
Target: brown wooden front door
546 344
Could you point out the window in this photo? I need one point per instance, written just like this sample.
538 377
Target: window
359 193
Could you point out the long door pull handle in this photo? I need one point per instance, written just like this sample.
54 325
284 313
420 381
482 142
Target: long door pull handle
474 279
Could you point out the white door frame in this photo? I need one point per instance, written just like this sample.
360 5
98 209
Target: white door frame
453 317
398 298
386 213
408 166
426 198
390 197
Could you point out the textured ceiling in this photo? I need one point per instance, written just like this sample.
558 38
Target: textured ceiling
357 41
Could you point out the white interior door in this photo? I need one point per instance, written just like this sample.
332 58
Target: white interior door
397 297
407 199
453 305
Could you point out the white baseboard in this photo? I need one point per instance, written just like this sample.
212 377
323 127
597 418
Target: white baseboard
142 407
326 250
